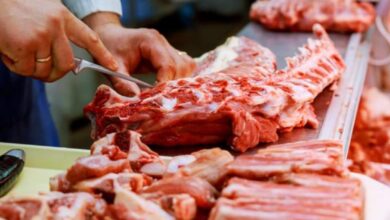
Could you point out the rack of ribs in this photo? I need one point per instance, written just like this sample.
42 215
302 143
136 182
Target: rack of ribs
308 197
241 104
317 156
301 15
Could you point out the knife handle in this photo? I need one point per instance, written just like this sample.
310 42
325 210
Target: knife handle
11 165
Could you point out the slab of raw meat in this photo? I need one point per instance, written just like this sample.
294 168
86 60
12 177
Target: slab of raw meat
243 104
53 205
317 198
301 15
203 193
207 164
316 156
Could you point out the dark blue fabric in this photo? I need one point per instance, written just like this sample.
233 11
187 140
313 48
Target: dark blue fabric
24 111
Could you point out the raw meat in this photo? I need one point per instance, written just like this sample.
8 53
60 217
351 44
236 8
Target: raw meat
128 205
203 193
301 15
95 166
181 206
207 164
128 145
317 156
105 186
370 146
317 198
87 168
243 105
54 205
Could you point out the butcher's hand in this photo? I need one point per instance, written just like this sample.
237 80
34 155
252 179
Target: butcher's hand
134 48
34 39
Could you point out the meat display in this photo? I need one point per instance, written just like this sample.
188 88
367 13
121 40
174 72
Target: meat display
317 198
370 145
242 104
323 157
301 15
303 180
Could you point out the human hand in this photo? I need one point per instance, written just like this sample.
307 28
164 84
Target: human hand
34 39
134 47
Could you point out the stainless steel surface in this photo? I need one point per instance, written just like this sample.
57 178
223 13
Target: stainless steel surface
285 44
84 64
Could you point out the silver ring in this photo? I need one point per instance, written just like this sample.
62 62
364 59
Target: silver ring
44 60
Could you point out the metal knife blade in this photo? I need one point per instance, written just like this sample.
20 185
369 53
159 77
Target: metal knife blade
81 64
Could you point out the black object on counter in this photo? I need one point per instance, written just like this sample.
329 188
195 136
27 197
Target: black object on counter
11 165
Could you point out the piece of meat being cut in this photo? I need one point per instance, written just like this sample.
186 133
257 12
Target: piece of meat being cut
301 15
324 200
316 156
241 105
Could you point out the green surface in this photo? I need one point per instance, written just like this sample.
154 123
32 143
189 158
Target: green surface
42 162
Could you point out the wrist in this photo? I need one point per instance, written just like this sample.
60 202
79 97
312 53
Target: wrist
99 20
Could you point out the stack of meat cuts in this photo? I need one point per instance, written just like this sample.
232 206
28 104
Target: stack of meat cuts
237 96
123 179
370 145
304 180
301 15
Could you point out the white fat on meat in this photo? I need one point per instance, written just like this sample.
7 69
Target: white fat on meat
179 161
224 55
139 206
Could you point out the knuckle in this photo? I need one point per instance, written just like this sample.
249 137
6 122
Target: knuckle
55 19
42 34
152 34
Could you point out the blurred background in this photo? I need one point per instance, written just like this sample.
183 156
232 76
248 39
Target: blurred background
194 26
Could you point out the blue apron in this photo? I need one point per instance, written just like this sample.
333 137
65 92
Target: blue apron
24 111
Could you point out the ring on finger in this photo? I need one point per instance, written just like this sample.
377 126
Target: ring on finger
43 60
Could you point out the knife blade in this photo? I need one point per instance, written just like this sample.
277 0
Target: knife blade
81 64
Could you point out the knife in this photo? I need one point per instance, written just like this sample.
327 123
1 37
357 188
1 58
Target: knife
11 165
82 64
